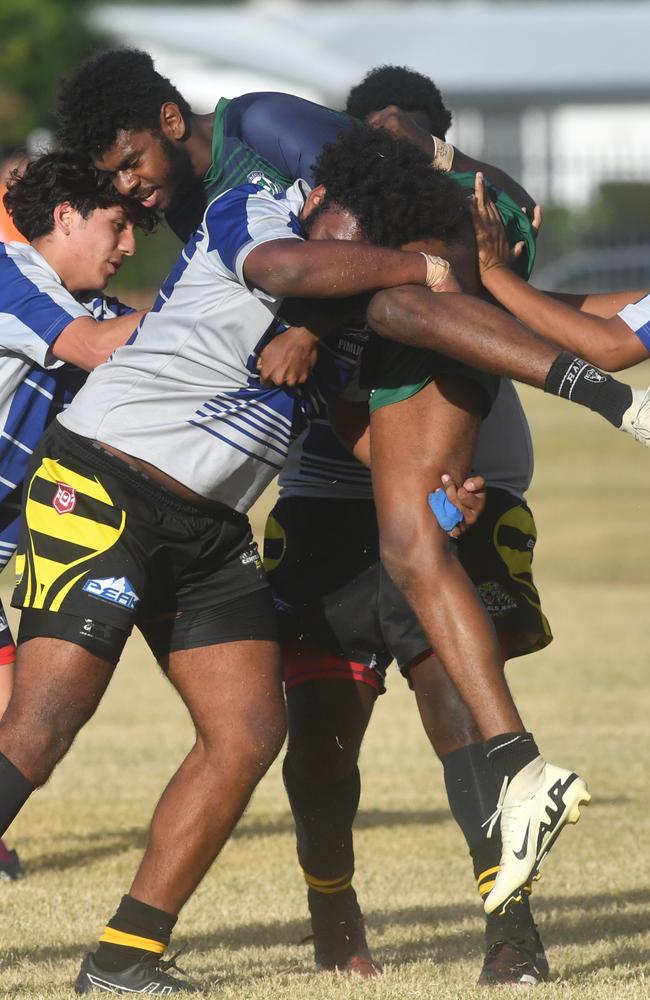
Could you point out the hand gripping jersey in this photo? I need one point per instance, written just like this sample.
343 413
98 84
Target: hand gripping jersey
185 395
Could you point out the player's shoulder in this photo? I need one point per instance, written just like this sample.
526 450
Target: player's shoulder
23 268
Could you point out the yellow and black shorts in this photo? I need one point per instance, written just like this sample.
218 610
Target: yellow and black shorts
332 592
103 547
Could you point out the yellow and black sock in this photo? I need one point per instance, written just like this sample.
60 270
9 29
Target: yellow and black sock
324 814
136 930
332 902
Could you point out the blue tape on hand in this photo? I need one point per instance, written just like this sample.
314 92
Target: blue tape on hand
447 514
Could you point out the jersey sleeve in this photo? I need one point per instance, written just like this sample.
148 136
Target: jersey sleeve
34 310
107 307
637 316
287 131
244 218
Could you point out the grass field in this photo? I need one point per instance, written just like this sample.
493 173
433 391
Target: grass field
586 697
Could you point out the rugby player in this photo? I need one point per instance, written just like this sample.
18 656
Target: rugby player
343 620
135 512
150 146
79 229
612 327
138 127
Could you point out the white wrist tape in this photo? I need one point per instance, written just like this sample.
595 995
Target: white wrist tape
443 156
437 270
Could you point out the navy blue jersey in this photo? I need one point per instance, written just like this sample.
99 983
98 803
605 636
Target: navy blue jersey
265 138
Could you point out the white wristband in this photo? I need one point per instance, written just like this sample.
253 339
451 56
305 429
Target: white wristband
443 156
437 270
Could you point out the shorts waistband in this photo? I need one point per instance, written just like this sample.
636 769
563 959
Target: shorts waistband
97 456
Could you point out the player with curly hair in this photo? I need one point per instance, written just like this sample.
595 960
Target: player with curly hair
343 619
78 231
174 160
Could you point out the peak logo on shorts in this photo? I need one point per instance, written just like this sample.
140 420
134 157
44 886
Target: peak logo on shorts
114 589
65 499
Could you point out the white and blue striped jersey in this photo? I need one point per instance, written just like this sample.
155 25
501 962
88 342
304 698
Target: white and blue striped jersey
184 394
34 386
637 316
319 466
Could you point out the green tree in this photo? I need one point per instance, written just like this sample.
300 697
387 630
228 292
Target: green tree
41 39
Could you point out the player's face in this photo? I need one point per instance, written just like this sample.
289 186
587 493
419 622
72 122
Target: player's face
100 243
329 223
143 166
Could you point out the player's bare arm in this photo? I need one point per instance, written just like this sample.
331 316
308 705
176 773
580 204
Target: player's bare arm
445 156
331 268
602 337
87 343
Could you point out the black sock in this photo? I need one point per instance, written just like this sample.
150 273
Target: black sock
15 789
473 791
137 929
572 378
508 753
515 924
324 814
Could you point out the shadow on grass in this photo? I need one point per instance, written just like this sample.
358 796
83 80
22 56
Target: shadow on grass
371 819
571 920
85 849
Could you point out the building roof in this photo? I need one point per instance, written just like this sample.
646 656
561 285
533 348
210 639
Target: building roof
505 54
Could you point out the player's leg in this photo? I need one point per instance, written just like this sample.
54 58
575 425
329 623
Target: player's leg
234 696
514 952
208 616
478 334
64 660
321 557
327 721
11 867
413 442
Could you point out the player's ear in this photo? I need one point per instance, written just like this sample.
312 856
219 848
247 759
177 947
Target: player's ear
314 200
172 123
62 217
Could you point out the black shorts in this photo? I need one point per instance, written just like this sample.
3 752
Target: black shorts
103 547
332 592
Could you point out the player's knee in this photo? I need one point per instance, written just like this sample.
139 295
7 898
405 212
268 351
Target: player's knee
384 311
38 740
327 763
412 556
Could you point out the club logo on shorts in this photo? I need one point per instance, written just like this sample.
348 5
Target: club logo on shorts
65 499
114 589
251 555
496 598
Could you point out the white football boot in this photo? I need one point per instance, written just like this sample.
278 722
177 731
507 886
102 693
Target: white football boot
636 419
533 807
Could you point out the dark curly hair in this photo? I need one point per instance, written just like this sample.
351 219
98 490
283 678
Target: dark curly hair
390 187
408 89
34 192
113 90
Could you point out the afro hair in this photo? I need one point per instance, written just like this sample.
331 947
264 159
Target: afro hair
113 90
409 90
391 188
